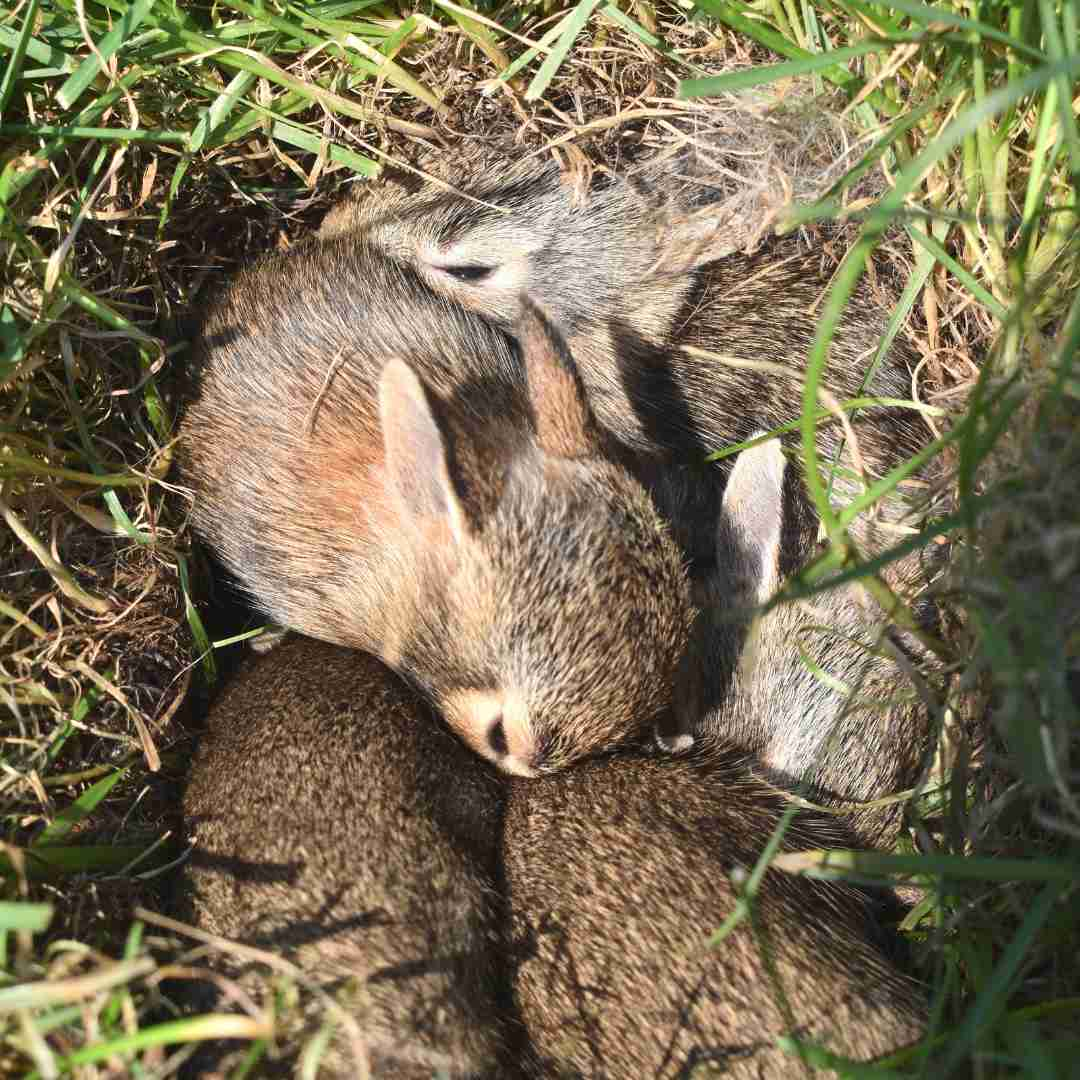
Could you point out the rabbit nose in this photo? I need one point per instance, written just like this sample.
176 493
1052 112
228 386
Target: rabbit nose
496 723
514 750
496 738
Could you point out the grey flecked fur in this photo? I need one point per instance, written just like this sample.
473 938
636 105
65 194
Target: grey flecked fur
382 469
336 821
618 875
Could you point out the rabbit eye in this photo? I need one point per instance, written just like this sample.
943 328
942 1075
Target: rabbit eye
468 273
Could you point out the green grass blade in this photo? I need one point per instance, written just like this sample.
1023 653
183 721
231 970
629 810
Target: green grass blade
620 18
529 55
198 631
21 916
132 948
112 501
375 61
90 68
308 140
194 1029
57 860
748 889
74 131
963 275
825 415
1066 118
939 13
218 111
18 54
17 176
478 32
732 15
818 577
966 124
994 997
43 53
255 117
235 639
836 864
313 1053
554 59
759 76
845 1068
924 263
78 811
13 343
346 45
891 479
852 267
1041 158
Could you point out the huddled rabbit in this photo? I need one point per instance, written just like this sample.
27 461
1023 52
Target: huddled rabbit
384 470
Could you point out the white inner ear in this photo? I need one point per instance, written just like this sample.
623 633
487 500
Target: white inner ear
752 519
415 449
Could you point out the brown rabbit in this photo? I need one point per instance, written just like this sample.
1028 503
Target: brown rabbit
631 274
635 292
853 730
336 820
618 872
381 469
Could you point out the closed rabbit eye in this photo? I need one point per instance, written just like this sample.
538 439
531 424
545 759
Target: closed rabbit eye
468 273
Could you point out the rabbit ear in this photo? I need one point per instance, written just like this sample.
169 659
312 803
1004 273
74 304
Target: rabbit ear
693 221
752 520
417 458
565 426
687 240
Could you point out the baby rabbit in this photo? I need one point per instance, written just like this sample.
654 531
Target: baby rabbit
618 872
382 469
334 817
853 730
632 275
635 297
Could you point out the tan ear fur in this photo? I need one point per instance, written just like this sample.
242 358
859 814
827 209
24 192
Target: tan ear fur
417 468
686 241
752 520
565 426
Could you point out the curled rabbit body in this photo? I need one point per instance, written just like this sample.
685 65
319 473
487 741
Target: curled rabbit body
618 874
382 469
335 820
816 687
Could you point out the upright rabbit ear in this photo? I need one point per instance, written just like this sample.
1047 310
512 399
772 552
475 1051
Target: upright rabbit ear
564 422
695 220
752 521
417 459
687 240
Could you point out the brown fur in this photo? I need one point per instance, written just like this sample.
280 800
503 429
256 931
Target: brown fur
760 689
631 275
383 469
336 820
618 874
616 270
